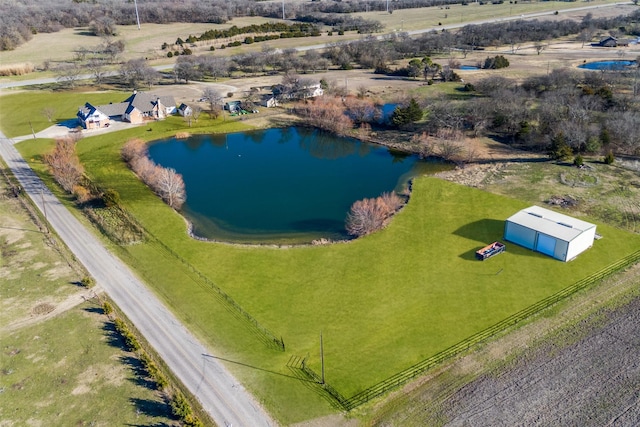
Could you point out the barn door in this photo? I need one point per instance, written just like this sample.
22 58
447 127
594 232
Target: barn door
546 244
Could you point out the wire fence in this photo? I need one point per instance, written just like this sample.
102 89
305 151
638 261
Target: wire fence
268 337
407 375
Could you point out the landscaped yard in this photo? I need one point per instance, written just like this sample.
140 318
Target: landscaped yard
382 303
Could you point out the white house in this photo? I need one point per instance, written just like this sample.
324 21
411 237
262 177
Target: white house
551 233
92 118
184 110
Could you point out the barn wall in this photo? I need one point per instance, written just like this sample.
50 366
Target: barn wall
581 243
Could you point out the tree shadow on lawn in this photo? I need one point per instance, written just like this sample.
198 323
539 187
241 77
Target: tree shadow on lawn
152 408
141 378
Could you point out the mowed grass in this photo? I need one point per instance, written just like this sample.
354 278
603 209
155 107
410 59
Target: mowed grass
20 111
382 303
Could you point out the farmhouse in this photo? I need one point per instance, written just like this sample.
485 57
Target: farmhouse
551 233
135 109
613 42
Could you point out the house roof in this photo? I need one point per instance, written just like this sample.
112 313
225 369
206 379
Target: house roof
552 223
112 110
88 110
146 102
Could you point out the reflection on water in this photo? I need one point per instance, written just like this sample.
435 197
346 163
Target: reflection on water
281 185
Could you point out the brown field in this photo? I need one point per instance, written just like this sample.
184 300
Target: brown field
146 42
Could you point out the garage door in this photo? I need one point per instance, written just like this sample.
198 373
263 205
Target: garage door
520 235
546 244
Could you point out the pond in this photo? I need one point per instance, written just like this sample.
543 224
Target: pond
613 65
469 67
289 185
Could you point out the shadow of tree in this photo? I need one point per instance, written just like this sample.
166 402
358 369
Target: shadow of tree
140 374
152 408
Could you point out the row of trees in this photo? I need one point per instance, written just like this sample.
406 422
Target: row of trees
165 182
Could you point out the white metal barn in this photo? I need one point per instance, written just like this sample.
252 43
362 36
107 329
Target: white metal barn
551 233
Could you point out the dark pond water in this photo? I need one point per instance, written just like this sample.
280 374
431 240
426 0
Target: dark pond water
607 65
281 185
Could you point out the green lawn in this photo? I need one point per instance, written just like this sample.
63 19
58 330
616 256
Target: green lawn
20 111
383 303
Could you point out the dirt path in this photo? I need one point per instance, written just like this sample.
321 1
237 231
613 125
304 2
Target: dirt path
46 310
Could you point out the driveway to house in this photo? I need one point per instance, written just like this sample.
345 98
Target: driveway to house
219 393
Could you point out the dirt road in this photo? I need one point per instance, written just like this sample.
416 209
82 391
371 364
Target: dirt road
219 392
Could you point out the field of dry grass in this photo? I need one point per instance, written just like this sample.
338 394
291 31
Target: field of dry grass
147 41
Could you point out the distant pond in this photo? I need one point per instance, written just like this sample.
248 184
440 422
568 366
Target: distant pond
612 65
289 185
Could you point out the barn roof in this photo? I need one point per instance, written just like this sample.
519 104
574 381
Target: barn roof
552 223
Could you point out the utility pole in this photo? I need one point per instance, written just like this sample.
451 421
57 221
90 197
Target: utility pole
322 357
135 3
283 17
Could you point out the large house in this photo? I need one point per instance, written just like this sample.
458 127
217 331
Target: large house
136 109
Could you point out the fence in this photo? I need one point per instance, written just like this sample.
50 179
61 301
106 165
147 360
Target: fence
267 336
405 376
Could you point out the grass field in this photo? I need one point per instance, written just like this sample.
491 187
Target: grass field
383 302
68 369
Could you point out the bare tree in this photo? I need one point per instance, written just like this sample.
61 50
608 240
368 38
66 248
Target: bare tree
98 69
64 164
49 113
136 72
214 99
365 217
195 112
68 74
170 186
540 46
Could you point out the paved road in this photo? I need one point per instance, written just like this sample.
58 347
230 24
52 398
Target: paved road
220 394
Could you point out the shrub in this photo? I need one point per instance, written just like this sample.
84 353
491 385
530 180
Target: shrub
578 160
169 54
369 215
87 282
82 194
107 308
111 198
609 159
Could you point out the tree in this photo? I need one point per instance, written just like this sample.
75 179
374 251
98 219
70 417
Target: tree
68 74
98 69
103 26
187 68
49 113
369 215
170 186
214 99
559 149
136 72
64 164
403 116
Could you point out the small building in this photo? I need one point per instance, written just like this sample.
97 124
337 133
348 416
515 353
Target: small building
233 106
613 42
184 110
551 233
269 101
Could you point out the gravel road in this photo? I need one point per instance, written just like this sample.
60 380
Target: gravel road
220 394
